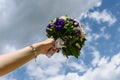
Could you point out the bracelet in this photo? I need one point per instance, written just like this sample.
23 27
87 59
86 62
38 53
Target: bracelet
34 51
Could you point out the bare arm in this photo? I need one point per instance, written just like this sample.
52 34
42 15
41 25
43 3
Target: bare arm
13 60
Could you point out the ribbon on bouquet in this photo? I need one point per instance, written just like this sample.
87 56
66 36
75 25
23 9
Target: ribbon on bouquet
59 43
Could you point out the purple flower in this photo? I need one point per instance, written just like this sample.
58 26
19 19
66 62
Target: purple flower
59 24
78 31
49 26
58 27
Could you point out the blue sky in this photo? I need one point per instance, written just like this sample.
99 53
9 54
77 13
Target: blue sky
24 22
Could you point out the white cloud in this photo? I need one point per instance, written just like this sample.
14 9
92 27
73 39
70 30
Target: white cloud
80 67
91 36
8 77
96 57
106 70
103 16
102 29
103 61
106 36
3 78
7 48
72 76
99 4
5 12
87 28
59 77
54 68
47 67
96 36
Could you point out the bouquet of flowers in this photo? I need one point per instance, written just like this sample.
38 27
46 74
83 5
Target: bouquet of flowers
69 35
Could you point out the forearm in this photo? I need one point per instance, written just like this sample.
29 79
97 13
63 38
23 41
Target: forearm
13 60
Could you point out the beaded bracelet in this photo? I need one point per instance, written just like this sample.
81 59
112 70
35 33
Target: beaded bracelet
34 51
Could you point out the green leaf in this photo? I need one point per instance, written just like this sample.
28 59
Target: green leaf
75 52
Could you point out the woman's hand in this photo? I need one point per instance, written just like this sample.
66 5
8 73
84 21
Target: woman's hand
44 46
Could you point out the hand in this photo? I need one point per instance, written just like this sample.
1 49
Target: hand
44 46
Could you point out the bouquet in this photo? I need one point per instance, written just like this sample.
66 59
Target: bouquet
69 35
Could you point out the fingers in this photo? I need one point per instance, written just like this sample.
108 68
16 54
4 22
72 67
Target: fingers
55 49
50 40
52 51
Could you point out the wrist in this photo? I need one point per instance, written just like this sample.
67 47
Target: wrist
37 46
34 50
